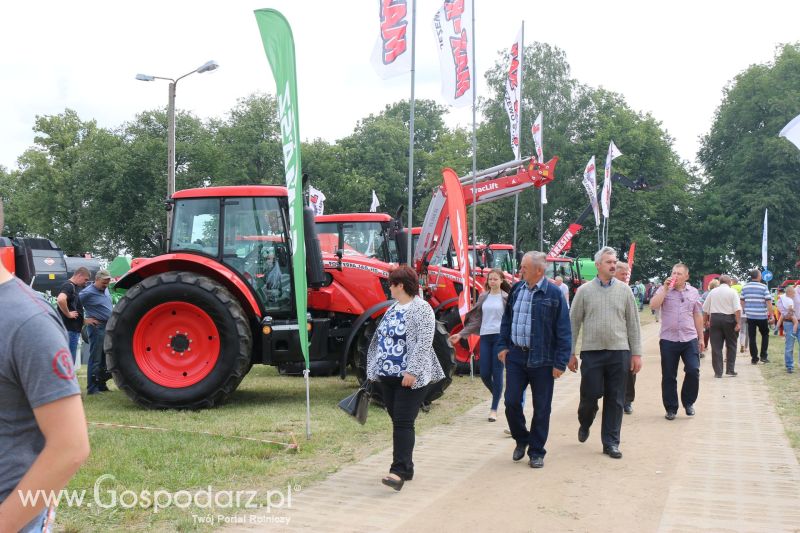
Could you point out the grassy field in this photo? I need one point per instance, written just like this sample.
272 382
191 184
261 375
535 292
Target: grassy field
784 389
183 458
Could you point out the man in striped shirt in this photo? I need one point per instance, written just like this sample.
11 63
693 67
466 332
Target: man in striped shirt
757 304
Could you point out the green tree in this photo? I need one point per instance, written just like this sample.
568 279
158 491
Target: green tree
248 143
750 168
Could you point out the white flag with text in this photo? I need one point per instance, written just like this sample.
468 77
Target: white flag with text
316 199
536 131
391 55
514 92
590 184
605 201
452 26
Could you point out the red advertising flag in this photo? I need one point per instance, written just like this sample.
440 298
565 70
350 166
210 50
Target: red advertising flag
631 251
457 212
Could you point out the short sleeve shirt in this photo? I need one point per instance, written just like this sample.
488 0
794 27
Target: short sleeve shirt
35 369
755 296
73 304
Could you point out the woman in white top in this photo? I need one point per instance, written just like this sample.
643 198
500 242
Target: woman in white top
484 319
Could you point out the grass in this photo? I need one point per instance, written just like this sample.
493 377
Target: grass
784 389
266 406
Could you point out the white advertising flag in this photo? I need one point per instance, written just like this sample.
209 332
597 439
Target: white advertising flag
514 92
536 131
590 184
316 200
452 27
391 55
792 131
375 203
605 203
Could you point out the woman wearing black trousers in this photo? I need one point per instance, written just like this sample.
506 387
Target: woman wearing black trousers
402 362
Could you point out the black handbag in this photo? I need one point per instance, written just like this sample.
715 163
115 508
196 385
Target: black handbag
357 404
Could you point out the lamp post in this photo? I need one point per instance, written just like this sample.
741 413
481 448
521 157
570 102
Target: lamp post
205 67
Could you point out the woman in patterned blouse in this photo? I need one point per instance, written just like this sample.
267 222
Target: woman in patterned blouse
402 362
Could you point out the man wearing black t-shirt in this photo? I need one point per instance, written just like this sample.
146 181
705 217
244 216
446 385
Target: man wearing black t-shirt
70 308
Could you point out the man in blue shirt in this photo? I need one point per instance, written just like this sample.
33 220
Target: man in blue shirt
757 305
96 302
535 343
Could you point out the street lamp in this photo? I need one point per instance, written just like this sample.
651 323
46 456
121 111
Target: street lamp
205 67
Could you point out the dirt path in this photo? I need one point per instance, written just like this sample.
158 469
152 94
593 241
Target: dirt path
730 468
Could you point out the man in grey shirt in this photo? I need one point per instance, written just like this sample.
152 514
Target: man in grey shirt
43 435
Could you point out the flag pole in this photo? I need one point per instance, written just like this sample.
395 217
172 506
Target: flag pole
519 127
474 179
474 154
411 132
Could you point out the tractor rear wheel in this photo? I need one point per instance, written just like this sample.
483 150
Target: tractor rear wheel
178 340
446 356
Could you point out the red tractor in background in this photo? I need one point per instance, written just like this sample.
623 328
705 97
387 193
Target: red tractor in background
194 321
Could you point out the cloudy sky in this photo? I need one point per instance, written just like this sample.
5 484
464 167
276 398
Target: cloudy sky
672 59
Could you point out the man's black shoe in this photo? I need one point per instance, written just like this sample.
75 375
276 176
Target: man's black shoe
689 410
754 361
519 452
628 408
670 415
732 374
612 451
583 434
764 360
717 375
536 462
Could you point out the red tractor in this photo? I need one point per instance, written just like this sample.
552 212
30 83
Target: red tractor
194 321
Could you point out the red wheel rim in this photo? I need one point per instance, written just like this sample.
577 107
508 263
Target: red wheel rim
176 344
462 354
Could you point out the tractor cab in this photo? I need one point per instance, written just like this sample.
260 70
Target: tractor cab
362 235
248 234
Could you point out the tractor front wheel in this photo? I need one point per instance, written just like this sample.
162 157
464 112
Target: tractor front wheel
178 340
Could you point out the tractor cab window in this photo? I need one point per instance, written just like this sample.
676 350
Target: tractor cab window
360 239
255 246
196 226
559 268
502 259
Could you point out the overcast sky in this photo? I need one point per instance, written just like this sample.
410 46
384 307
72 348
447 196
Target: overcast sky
672 59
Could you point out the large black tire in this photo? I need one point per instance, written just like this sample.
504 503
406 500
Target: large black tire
441 346
214 304
446 356
450 318
360 357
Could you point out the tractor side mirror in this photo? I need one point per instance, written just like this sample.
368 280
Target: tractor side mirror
339 254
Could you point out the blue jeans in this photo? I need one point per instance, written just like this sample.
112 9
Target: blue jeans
491 367
518 376
74 336
95 374
42 523
788 353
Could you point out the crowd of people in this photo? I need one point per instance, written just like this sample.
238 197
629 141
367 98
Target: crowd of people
530 334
